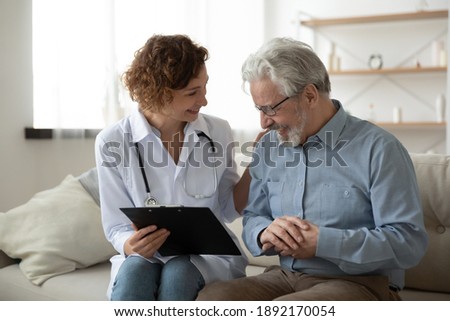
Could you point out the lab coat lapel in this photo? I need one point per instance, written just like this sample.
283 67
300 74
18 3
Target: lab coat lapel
190 141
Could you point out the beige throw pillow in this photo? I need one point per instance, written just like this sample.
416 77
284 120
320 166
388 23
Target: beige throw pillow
55 232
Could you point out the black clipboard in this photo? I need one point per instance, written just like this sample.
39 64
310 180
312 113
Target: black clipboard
193 230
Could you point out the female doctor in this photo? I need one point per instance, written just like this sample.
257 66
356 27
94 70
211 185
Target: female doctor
167 152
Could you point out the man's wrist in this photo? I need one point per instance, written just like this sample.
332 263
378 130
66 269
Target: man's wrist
258 239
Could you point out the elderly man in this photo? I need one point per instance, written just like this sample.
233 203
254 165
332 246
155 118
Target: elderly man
333 195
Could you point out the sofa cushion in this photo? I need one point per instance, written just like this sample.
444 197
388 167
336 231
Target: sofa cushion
89 180
55 232
433 176
79 285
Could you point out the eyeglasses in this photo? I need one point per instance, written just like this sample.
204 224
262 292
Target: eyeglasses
269 110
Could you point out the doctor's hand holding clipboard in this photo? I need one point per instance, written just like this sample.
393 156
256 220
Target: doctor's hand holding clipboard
146 241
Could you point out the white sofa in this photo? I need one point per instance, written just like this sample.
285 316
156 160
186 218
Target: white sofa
87 279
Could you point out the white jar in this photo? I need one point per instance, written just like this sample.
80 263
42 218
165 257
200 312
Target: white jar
440 108
397 115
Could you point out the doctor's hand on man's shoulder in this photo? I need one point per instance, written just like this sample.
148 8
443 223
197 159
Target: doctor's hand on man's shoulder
291 236
146 241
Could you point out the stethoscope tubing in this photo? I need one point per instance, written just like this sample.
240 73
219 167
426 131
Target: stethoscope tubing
150 200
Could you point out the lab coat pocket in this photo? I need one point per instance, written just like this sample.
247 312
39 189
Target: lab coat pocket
200 182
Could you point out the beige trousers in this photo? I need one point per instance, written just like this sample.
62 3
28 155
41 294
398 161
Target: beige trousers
280 284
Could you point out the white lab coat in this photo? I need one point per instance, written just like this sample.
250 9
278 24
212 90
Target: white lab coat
122 184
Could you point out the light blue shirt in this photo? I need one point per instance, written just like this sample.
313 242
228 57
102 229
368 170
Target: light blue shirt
357 183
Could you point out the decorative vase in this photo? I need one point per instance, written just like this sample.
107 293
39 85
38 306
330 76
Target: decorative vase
440 108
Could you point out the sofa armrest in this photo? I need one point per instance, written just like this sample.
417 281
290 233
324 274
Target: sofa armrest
5 260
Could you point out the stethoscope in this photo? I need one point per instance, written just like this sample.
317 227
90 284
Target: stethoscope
151 200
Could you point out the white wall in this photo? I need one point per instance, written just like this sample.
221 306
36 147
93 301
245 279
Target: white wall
28 166
282 16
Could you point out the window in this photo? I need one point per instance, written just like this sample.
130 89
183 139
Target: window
81 48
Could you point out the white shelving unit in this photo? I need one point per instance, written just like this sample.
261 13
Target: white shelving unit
407 67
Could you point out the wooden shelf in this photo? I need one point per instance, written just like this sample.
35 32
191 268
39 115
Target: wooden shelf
420 15
413 125
402 20
383 71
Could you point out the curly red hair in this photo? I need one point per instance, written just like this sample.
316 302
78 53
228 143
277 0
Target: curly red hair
163 64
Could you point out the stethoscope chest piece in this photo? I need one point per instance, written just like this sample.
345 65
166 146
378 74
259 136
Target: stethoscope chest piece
150 201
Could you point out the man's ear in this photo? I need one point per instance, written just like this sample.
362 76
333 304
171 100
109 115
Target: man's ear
311 94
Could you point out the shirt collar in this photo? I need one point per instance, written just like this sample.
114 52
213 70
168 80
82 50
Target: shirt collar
140 127
334 126
197 126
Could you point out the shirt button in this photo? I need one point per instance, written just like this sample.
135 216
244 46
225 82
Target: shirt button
346 194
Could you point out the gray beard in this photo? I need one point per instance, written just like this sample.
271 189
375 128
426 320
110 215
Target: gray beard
294 134
294 137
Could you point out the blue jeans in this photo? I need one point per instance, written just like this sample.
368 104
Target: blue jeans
140 280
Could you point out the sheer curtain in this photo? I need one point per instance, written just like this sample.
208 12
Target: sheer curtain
81 48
